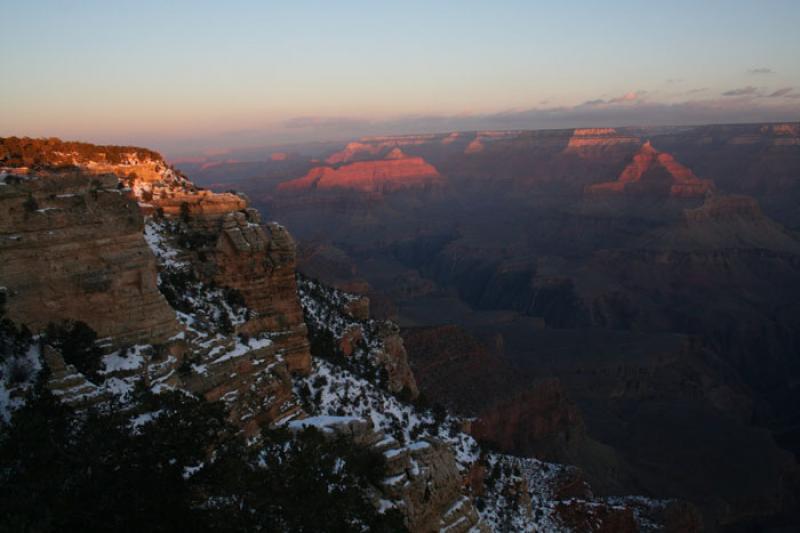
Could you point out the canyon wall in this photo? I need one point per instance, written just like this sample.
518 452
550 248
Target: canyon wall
72 248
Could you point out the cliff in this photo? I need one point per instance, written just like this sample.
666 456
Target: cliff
395 172
654 172
72 248
199 297
98 269
594 143
726 222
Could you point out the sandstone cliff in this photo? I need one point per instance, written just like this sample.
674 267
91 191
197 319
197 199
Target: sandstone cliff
72 248
594 143
652 171
235 332
395 172
98 269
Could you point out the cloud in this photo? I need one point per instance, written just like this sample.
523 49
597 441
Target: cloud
742 91
595 113
761 70
591 114
627 98
632 96
698 90
670 81
780 92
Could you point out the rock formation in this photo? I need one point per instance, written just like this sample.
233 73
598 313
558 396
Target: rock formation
261 266
475 146
727 222
72 248
353 150
656 172
84 232
395 172
595 142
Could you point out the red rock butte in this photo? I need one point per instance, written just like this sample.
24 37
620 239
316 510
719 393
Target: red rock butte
395 172
475 146
654 171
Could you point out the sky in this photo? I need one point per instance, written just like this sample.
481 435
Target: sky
184 77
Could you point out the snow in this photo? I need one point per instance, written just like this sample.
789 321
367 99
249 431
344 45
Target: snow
144 418
154 235
115 362
241 349
189 471
339 391
337 388
12 395
323 423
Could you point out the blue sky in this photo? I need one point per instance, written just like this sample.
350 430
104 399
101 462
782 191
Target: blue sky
185 75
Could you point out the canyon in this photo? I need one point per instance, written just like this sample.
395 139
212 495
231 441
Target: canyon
189 291
633 289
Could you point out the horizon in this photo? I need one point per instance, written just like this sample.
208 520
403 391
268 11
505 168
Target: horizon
185 80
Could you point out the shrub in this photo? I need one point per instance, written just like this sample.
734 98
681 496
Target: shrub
30 204
76 342
185 213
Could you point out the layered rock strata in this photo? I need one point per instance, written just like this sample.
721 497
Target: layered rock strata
652 171
396 171
72 248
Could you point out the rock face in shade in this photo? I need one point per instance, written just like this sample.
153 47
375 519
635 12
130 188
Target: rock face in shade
538 421
512 410
654 172
396 172
72 248
259 261
728 222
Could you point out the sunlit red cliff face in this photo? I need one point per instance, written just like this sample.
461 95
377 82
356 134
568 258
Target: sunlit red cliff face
595 142
396 171
652 171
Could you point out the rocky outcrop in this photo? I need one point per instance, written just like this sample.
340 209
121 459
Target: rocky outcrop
594 143
393 358
422 478
352 151
255 385
206 205
474 147
654 172
376 343
397 171
259 261
728 222
84 231
72 248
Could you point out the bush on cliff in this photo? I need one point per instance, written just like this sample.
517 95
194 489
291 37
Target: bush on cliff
77 343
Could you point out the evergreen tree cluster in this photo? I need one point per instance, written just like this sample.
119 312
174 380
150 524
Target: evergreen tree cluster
177 466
